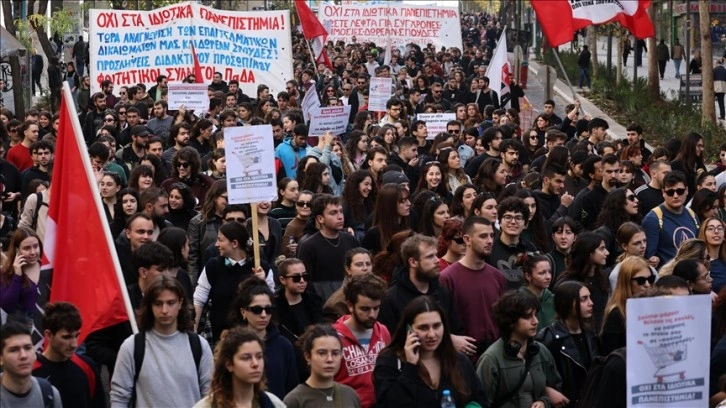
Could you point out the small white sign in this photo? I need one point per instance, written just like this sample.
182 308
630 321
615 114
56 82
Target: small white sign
334 119
379 93
668 358
250 155
192 96
435 122
310 101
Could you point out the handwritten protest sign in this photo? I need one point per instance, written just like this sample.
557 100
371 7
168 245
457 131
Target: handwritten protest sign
192 96
130 47
392 23
435 122
250 155
329 119
668 351
379 93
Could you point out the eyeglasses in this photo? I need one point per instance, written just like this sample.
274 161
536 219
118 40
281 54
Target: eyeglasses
631 197
714 229
302 204
679 191
459 240
640 280
122 93
330 90
705 277
183 165
259 309
510 218
298 277
238 219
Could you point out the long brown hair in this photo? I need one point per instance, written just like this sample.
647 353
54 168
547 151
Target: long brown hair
160 284
386 216
221 392
218 188
18 237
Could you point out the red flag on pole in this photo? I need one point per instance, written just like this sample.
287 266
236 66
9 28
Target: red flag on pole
78 244
561 18
313 31
197 68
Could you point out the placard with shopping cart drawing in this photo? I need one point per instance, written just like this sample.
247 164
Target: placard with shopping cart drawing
250 155
668 351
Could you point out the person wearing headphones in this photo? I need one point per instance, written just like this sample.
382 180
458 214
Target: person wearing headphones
515 370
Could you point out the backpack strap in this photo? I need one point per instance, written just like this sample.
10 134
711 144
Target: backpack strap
46 389
695 219
196 345
38 204
139 350
659 213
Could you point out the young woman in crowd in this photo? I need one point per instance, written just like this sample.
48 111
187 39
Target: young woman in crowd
634 279
303 166
570 338
620 206
432 179
155 163
628 171
253 308
485 205
142 178
217 165
20 279
269 233
537 272
109 187
127 204
435 212
696 274
705 204
461 203
203 227
531 142
712 233
388 260
357 203
693 248
177 241
357 262
185 168
421 364
536 230
587 257
690 160
239 373
283 209
453 174
295 228
357 147
323 351
451 246
631 240
393 208
181 206
516 354
491 177
347 166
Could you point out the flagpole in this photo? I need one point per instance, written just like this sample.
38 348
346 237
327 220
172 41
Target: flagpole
310 49
569 84
97 202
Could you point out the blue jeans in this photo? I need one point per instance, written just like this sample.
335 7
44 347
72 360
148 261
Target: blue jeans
677 63
584 76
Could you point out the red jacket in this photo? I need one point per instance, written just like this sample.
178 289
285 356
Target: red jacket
356 370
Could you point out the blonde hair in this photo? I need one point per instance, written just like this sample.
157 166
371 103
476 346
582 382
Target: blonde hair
690 249
622 290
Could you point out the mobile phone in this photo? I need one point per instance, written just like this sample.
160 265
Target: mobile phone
410 329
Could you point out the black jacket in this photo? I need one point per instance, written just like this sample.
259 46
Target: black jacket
289 326
402 292
570 364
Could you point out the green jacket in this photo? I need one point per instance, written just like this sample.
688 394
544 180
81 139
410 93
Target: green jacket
546 314
500 373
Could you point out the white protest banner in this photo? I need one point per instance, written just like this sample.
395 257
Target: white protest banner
668 344
435 122
310 101
250 155
334 119
392 23
379 93
129 46
192 96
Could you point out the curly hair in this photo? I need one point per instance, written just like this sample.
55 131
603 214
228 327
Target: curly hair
221 391
512 306
613 213
358 207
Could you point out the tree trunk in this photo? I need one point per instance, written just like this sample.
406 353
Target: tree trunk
592 43
653 74
19 108
709 103
619 68
40 28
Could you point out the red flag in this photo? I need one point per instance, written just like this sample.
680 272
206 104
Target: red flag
78 244
313 31
197 68
561 18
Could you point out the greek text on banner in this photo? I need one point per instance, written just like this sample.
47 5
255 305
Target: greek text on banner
130 47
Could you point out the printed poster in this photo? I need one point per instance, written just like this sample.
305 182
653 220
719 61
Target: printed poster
380 91
435 122
129 46
334 119
191 96
250 155
668 351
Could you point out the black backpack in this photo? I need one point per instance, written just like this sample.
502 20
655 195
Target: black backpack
46 389
140 348
589 394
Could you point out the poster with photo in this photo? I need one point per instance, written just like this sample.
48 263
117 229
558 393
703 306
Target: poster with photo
250 155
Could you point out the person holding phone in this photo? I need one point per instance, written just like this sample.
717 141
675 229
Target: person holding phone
19 280
421 363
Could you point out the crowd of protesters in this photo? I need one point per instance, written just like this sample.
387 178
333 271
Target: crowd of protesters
489 263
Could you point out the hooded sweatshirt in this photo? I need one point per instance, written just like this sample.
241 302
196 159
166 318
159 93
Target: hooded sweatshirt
359 362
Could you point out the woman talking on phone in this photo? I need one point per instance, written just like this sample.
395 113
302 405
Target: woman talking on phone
421 365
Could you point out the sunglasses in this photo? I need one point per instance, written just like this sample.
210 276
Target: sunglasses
455 131
108 120
533 137
238 219
259 309
640 280
302 204
183 165
679 191
631 197
459 240
298 277
121 112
